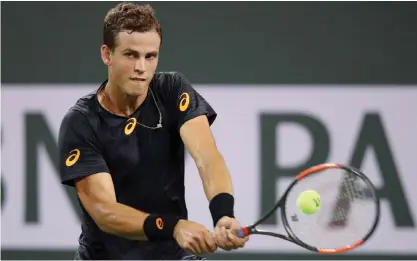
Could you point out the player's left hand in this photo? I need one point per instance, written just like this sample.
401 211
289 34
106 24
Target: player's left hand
225 234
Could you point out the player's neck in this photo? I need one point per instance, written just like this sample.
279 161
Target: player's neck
120 103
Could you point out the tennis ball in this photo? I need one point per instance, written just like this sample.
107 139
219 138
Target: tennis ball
309 202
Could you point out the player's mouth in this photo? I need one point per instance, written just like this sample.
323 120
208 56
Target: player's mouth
137 79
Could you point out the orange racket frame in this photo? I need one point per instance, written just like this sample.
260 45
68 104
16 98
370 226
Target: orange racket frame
291 237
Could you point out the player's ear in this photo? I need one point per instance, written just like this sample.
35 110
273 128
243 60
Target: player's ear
105 55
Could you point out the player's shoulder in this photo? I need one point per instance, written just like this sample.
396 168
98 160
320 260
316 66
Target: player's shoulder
83 112
171 81
170 78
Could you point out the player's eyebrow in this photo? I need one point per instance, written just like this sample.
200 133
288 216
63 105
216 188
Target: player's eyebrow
128 50
154 53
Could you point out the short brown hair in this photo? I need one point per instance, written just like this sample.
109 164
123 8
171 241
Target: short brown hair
129 17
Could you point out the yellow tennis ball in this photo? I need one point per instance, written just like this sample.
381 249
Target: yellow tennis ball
309 202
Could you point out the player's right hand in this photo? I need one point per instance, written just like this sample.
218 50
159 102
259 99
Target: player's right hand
194 237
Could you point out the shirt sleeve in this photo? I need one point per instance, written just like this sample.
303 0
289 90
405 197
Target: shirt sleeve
79 154
189 103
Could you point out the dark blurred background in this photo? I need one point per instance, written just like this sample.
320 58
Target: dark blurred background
233 43
222 42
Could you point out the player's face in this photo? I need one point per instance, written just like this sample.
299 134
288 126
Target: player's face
133 62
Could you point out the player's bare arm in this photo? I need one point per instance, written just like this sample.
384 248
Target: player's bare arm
199 141
197 116
98 197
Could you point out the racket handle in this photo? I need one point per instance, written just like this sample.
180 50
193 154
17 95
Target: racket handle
243 232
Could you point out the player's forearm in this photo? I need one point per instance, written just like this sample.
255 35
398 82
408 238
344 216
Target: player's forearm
122 220
217 187
215 176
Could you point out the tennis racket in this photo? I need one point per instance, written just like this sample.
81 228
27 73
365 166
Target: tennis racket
348 214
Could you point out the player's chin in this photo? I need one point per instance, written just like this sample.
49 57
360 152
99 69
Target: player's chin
136 88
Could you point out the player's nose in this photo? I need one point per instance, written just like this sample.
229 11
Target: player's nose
140 65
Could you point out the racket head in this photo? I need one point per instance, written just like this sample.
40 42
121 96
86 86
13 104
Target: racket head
344 205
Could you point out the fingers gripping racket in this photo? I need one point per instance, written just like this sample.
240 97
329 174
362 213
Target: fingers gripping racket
342 216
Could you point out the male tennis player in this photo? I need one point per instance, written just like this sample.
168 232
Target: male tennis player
122 148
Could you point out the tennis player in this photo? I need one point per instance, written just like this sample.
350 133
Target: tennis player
122 148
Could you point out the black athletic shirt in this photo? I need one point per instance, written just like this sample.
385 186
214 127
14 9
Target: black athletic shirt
147 166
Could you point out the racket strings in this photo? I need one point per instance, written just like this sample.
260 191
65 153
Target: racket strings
353 189
342 208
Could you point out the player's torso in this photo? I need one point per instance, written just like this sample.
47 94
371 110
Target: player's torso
146 163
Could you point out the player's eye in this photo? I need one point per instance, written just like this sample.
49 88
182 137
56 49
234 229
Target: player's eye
130 55
151 56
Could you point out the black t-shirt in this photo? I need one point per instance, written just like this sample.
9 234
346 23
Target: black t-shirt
146 165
